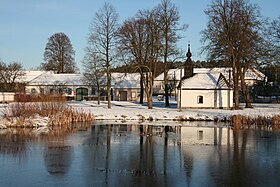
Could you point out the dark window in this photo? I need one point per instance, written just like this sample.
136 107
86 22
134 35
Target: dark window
200 99
69 91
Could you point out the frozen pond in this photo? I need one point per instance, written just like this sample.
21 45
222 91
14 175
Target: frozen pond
140 155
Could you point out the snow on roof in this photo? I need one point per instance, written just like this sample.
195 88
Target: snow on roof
176 72
49 78
251 74
30 75
125 80
201 81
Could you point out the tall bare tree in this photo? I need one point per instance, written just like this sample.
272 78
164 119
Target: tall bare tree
10 77
93 71
273 36
102 39
59 55
132 42
168 16
231 35
140 39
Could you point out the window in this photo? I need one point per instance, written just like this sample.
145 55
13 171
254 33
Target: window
69 91
200 99
133 94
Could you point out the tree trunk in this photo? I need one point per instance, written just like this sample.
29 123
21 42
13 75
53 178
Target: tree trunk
141 89
150 100
166 79
166 93
235 73
245 90
98 96
109 91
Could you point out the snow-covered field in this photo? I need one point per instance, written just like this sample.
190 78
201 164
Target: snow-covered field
132 111
122 110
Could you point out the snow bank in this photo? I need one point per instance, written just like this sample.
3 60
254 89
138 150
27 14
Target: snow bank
125 111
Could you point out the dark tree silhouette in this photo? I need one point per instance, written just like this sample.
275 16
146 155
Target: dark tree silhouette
10 75
59 55
232 35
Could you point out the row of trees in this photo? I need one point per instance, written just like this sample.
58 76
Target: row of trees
141 42
235 33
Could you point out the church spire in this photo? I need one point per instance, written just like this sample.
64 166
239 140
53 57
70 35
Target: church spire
188 69
189 54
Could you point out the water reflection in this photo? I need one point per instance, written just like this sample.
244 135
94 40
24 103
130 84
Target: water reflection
13 142
145 155
58 159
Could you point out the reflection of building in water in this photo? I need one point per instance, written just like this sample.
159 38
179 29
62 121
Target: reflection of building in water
58 159
206 135
13 142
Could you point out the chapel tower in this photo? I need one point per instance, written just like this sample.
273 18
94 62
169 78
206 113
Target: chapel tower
188 69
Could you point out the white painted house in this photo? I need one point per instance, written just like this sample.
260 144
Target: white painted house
126 86
47 82
251 77
204 89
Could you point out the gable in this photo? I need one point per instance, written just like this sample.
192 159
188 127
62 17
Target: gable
58 79
200 81
125 80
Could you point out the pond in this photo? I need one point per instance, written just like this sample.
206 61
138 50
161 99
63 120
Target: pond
140 155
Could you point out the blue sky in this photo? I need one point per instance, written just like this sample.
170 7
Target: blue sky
26 25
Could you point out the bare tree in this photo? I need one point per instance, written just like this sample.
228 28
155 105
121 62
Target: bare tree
132 41
94 71
140 40
231 35
102 39
168 16
273 36
10 77
59 54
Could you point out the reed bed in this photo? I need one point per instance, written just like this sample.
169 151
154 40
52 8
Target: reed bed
260 122
52 112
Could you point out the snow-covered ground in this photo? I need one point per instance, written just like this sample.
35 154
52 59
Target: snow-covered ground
122 110
132 111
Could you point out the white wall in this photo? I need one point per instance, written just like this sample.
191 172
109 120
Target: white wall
190 98
204 135
7 97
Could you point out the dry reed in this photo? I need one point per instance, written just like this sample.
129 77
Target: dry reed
260 122
54 108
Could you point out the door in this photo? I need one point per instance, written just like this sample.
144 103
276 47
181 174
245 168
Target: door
80 93
123 95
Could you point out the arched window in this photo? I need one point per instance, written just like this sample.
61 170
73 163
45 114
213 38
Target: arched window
200 99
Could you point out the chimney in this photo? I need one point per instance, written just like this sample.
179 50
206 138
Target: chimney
188 69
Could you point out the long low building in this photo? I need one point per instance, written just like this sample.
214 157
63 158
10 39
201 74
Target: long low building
72 86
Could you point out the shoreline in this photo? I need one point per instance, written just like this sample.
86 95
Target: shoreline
135 113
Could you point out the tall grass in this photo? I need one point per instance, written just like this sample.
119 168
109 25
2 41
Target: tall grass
54 108
260 122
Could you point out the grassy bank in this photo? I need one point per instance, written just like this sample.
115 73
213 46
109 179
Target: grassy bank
47 111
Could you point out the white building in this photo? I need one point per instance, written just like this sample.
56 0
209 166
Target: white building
126 86
47 82
205 90
251 77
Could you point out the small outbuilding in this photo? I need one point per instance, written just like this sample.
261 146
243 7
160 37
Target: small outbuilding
205 89
126 86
